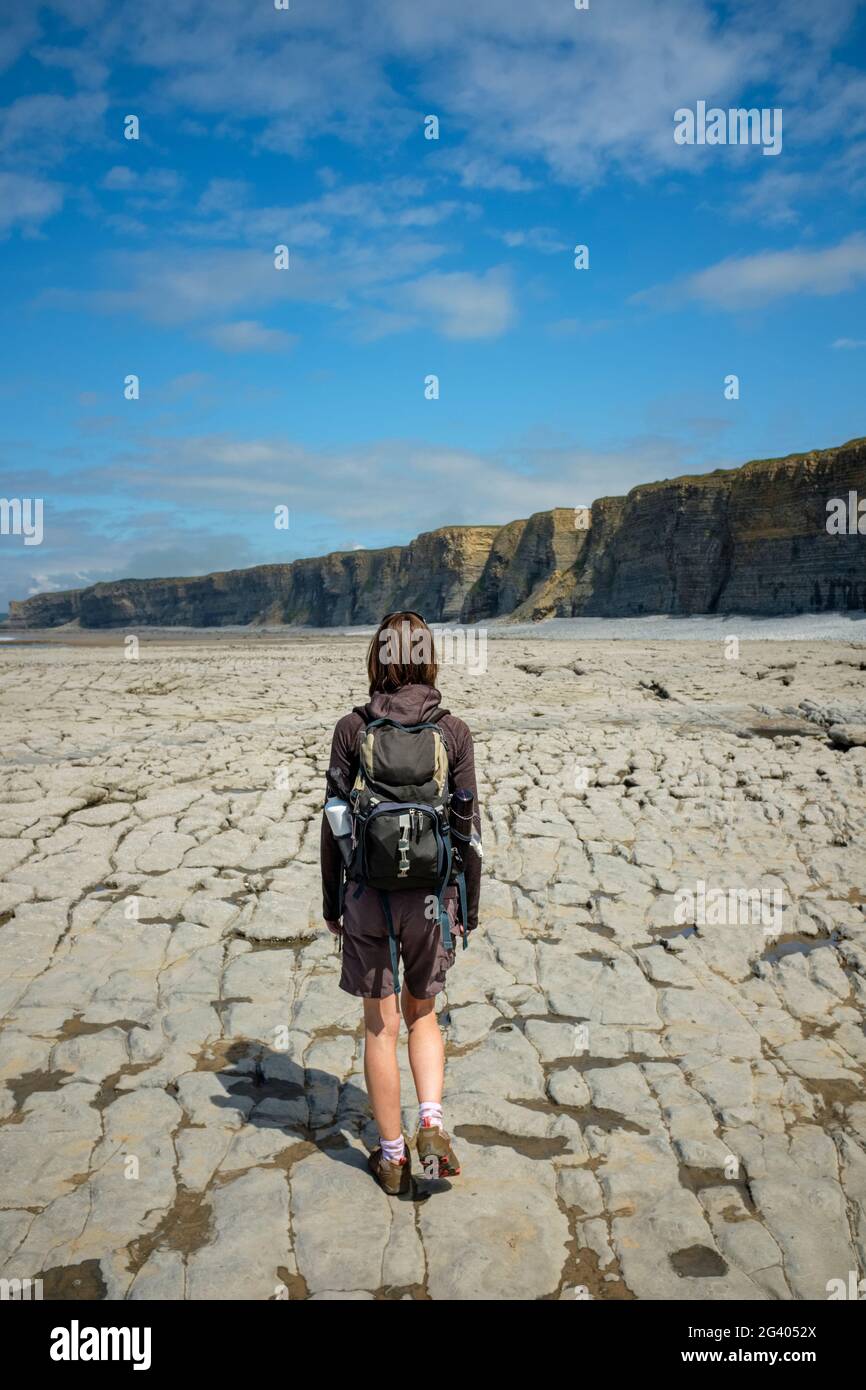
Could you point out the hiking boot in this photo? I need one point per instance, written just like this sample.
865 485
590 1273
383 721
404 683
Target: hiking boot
438 1159
393 1178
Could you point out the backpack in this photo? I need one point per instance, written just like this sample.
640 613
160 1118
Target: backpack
400 828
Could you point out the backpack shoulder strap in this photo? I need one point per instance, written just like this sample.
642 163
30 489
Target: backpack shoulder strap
444 734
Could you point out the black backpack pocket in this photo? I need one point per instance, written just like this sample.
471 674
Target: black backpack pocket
401 846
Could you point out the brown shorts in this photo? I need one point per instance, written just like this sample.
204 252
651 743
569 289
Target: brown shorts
366 948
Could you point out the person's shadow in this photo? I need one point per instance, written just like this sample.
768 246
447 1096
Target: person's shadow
307 1104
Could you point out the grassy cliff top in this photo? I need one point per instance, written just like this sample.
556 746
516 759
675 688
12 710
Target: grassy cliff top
754 465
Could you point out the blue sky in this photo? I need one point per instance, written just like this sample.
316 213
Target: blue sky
409 257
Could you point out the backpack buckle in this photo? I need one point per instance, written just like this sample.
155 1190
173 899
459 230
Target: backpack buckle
405 824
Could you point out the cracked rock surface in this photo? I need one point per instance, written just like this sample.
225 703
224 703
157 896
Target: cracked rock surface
656 1047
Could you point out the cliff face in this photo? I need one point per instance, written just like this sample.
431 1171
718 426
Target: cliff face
525 559
745 540
432 574
47 610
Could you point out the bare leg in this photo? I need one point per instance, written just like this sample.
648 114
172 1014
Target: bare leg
426 1047
381 1073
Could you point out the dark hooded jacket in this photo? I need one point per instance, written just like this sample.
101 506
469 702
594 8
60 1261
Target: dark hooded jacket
413 704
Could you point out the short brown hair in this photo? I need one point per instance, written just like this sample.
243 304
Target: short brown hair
402 652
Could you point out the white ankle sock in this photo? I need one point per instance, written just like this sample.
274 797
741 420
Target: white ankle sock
393 1149
431 1111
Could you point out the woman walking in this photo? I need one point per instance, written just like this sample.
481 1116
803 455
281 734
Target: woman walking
398 761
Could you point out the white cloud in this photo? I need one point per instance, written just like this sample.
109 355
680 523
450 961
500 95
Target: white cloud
120 178
583 94
86 67
483 172
464 305
27 202
225 212
240 475
168 286
745 282
248 335
216 495
20 27
41 128
373 285
776 198
850 343
542 239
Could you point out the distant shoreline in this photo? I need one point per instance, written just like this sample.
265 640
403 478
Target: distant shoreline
798 627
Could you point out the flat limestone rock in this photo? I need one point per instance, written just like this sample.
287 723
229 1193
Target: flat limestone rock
341 1220
242 1259
170 997
499 1234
